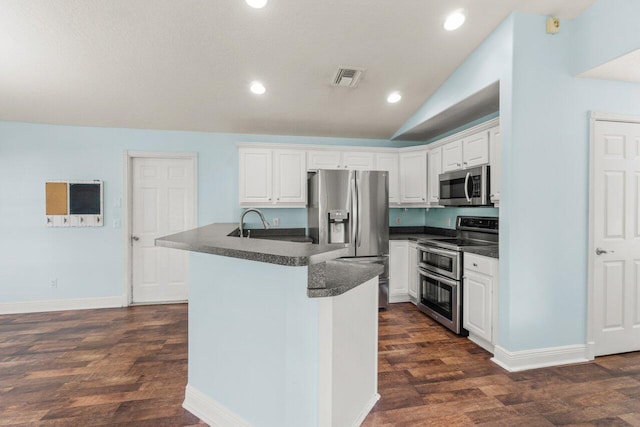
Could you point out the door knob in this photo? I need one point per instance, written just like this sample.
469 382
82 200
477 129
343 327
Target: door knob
135 238
600 251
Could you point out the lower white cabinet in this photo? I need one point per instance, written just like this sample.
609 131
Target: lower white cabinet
480 299
413 268
398 271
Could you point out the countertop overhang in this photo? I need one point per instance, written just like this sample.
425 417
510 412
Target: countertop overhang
327 276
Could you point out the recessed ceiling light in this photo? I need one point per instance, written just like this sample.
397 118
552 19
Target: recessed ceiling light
454 20
394 97
256 4
258 88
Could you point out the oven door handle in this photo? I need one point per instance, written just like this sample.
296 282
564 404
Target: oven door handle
444 280
466 187
433 250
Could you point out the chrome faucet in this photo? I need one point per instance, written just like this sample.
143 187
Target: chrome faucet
240 225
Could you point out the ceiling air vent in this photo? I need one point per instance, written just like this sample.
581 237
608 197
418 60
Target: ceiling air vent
347 77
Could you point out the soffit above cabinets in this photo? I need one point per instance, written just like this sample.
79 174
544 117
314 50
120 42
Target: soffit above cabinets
482 103
625 68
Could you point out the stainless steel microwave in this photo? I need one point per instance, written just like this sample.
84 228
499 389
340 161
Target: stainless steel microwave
468 187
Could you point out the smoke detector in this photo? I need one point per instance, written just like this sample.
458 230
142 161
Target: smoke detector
347 77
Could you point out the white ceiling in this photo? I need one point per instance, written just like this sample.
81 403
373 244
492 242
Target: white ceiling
187 65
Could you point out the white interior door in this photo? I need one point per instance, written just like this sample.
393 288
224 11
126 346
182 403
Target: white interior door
163 202
616 237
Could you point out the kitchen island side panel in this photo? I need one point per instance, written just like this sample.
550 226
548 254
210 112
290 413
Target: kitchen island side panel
253 339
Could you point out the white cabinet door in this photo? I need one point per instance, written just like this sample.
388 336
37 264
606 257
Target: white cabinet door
389 162
480 299
435 169
495 156
398 271
452 156
358 160
475 150
413 272
255 176
477 313
290 177
324 160
413 177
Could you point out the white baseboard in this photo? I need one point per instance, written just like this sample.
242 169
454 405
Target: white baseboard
365 411
399 298
60 305
514 361
210 411
481 342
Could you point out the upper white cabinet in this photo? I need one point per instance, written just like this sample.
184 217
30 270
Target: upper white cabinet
475 150
466 152
289 177
413 177
256 176
435 169
324 159
389 162
452 156
495 145
359 160
272 177
275 174
480 299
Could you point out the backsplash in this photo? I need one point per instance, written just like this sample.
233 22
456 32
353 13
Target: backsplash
446 217
432 217
408 217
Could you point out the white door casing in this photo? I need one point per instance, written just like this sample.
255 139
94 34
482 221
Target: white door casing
614 259
163 201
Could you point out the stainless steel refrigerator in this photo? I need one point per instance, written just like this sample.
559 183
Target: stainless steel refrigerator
352 207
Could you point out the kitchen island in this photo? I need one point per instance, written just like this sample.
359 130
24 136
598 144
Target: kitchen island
280 333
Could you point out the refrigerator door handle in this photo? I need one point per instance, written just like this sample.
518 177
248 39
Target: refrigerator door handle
353 191
359 224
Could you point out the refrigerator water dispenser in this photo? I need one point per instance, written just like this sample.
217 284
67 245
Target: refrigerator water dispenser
338 220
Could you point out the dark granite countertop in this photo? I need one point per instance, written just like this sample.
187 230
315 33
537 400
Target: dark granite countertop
419 233
491 251
327 275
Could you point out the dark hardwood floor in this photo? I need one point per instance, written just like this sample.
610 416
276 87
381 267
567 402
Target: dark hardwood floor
128 367
429 376
116 367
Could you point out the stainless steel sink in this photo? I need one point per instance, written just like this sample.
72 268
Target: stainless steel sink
281 234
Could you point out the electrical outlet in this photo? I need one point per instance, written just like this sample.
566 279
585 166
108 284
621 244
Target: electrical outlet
398 220
276 222
54 283
116 223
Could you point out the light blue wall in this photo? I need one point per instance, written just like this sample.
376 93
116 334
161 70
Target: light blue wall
270 376
545 303
88 262
446 217
605 31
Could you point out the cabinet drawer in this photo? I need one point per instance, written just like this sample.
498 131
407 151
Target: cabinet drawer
477 263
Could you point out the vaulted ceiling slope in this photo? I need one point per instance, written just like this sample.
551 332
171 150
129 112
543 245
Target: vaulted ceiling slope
166 64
